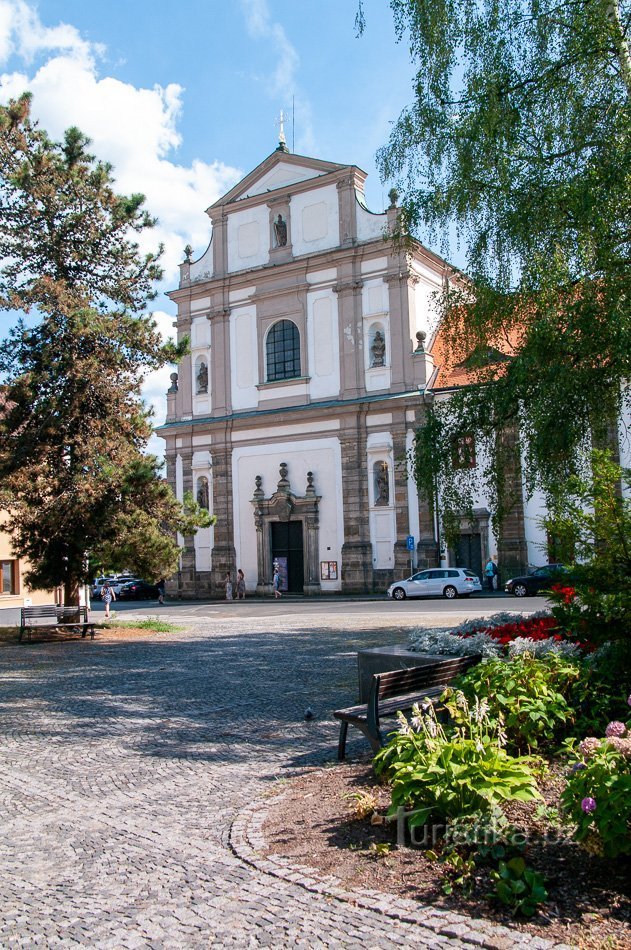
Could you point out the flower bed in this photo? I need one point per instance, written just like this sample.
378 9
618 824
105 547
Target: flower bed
503 634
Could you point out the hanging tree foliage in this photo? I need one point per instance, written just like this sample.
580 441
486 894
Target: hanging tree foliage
75 481
518 139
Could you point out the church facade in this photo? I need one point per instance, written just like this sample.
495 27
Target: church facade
309 370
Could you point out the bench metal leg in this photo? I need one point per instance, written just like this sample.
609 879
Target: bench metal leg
341 748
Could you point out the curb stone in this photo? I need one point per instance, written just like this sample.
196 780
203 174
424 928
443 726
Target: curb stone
248 843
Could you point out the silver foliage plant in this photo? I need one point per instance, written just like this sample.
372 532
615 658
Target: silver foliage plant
471 637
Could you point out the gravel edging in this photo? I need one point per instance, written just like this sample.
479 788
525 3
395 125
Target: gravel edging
248 843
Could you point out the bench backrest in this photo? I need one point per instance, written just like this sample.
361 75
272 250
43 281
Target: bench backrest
44 615
400 682
48 614
71 612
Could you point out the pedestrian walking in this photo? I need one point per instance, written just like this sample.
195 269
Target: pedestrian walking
276 582
490 573
228 586
161 591
240 585
107 596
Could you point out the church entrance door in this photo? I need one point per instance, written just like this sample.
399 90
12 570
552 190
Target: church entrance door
468 553
287 548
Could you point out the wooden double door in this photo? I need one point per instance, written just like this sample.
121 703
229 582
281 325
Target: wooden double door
288 552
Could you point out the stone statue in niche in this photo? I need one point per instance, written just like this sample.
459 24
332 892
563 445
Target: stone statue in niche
280 231
202 378
382 484
203 499
378 350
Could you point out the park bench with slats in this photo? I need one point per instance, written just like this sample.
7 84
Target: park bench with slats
54 616
399 691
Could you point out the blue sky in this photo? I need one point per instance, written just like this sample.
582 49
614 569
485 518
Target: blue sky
183 99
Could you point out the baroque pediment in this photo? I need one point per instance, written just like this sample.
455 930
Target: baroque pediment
279 170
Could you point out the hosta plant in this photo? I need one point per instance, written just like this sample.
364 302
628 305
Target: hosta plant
438 775
528 695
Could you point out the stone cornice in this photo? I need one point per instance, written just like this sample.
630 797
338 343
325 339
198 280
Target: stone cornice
252 418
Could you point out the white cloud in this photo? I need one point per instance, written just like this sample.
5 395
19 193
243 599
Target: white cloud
281 83
22 33
133 128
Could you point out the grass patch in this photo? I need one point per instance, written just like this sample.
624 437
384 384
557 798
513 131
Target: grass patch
7 634
158 626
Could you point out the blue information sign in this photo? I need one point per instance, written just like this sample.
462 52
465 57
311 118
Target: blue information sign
410 542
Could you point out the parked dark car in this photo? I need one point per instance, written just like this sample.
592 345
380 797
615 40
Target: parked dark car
138 590
542 578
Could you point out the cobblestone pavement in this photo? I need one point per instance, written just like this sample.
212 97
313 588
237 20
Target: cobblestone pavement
124 765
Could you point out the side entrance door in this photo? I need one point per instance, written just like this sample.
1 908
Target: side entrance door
287 544
468 553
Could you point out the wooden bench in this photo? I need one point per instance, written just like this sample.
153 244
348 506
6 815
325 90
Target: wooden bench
55 616
399 691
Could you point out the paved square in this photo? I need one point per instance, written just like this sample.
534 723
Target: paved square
125 763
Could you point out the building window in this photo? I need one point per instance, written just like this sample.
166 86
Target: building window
463 451
283 351
8 577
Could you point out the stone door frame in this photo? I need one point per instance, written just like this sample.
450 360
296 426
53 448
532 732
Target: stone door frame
285 506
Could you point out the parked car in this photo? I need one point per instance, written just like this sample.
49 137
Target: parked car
541 578
97 583
446 582
138 590
114 580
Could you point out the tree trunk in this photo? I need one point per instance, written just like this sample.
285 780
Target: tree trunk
71 592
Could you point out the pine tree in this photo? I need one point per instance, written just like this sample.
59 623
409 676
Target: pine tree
75 482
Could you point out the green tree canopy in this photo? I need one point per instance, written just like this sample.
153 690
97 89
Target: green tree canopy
74 478
518 140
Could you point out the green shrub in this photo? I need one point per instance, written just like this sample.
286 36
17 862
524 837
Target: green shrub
597 799
527 697
441 776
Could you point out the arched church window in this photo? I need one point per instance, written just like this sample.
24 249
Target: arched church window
201 376
203 496
381 477
282 350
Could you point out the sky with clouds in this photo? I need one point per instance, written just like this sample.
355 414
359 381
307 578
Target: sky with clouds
184 101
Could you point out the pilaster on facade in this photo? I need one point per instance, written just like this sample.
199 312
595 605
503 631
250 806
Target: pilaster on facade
223 554
351 331
399 451
512 554
348 210
357 552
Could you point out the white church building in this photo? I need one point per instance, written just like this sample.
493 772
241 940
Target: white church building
309 367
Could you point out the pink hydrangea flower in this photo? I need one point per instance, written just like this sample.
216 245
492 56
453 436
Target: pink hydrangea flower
629 699
588 805
623 746
589 746
615 728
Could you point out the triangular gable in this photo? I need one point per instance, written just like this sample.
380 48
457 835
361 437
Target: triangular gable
277 171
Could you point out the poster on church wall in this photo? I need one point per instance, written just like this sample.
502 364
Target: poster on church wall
328 570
